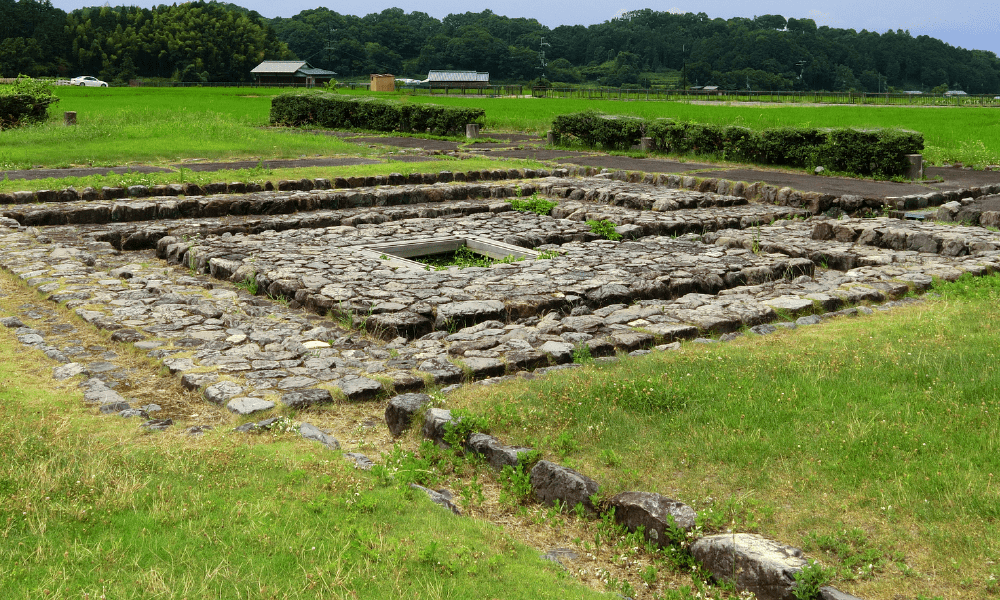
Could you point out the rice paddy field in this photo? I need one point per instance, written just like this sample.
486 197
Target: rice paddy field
118 126
970 135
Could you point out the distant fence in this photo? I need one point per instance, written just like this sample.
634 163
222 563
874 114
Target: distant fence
776 96
607 93
470 90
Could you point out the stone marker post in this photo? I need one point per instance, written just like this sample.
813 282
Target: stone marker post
550 138
69 117
916 170
645 144
472 130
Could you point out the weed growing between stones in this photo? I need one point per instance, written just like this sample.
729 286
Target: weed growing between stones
810 579
249 284
463 258
515 485
581 353
605 229
534 204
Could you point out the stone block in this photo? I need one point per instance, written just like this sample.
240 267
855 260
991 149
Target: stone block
359 388
306 398
551 482
219 393
496 454
751 562
401 410
463 314
654 513
434 422
248 406
440 497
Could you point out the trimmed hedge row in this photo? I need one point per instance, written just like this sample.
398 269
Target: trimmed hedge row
864 152
24 102
334 111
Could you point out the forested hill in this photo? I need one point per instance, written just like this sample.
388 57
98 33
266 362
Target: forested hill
766 52
213 41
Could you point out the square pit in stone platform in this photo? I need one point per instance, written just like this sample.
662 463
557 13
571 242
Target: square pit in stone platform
396 252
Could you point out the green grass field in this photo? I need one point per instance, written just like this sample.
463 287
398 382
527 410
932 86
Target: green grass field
120 126
968 135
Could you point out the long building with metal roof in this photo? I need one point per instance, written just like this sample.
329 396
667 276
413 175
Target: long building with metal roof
290 71
458 79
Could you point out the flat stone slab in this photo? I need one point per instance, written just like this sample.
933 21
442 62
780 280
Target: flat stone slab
219 393
248 406
790 304
306 398
311 432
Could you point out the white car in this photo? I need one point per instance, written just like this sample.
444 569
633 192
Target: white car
88 81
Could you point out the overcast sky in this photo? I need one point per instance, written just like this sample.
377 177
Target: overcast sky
973 24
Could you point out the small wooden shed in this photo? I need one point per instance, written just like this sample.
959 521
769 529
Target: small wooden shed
383 82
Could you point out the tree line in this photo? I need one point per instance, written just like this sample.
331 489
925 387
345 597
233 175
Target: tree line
215 41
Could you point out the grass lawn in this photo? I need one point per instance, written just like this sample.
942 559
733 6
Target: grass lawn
118 126
260 174
872 443
91 507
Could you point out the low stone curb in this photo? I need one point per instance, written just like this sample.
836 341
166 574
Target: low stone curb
762 566
193 189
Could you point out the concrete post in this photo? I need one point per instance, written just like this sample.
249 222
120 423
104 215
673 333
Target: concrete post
916 170
472 130
645 144
69 117
550 139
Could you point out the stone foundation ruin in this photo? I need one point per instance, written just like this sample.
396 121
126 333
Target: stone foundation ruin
286 295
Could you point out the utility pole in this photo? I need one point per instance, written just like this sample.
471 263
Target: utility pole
329 47
802 64
541 55
684 77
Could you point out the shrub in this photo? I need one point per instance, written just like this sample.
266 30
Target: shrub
24 102
863 152
333 111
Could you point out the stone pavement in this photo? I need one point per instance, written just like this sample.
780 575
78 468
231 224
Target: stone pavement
255 309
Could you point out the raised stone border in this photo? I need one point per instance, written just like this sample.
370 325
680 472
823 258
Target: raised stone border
815 202
748 561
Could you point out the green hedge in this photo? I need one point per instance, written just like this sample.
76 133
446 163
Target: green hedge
864 152
334 111
24 102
